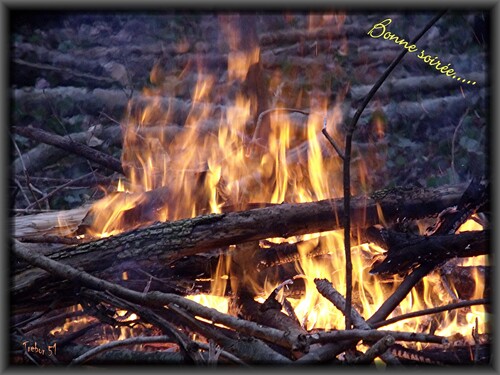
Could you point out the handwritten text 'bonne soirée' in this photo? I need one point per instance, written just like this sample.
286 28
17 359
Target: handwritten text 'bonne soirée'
379 30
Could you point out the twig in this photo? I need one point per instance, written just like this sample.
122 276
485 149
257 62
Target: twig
453 143
28 183
28 212
224 354
326 289
32 318
290 311
110 118
81 149
374 334
400 293
475 336
274 293
332 141
114 344
185 344
347 167
214 351
434 310
53 319
329 292
446 285
376 350
32 359
50 180
254 350
22 192
155 298
48 195
74 335
51 239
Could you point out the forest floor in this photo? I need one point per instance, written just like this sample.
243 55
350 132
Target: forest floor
73 73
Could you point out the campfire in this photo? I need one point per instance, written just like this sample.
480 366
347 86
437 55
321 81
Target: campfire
251 222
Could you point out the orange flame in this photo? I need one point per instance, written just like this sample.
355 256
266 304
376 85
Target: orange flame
201 165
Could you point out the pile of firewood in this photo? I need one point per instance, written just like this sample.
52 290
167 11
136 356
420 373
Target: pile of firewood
163 261
61 279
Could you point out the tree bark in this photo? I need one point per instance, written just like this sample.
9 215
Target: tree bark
70 145
166 242
418 250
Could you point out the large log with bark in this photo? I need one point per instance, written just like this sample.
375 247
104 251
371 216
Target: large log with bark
163 243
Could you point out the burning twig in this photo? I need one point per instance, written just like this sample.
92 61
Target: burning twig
376 350
74 335
185 344
474 196
418 250
401 292
328 291
434 310
254 139
51 321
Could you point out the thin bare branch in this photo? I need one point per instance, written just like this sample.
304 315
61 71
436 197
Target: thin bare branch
114 344
376 350
347 166
434 310
155 299
56 190
332 141
374 334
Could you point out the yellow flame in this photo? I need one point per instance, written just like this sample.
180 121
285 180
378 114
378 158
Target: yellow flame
197 156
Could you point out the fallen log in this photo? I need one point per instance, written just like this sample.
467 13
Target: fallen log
425 84
70 146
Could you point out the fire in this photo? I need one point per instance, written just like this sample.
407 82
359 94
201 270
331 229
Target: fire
202 164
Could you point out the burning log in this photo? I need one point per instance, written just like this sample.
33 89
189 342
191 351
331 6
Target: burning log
418 250
405 250
166 242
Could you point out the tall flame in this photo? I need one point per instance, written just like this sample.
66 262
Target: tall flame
194 161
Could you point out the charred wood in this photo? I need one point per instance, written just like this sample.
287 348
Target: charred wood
420 250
